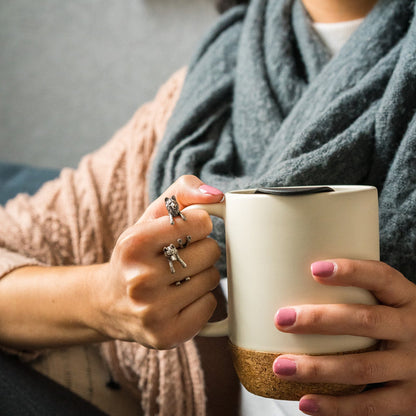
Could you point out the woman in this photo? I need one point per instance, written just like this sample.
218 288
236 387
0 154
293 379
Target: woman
263 103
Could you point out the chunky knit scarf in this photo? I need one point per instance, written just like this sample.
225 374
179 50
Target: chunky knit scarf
264 105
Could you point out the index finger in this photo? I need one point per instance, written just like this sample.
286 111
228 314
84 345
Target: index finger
387 284
187 190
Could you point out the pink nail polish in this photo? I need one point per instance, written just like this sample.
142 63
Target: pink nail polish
284 367
285 317
210 190
308 406
323 268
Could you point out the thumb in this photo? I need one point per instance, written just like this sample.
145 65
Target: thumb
188 190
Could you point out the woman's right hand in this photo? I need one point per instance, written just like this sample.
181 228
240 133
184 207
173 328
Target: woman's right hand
135 295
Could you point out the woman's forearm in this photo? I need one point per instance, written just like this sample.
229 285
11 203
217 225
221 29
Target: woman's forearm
135 297
47 307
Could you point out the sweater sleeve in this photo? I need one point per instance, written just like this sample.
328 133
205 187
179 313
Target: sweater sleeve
76 218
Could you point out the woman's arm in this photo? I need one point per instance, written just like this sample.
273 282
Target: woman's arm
133 297
47 307
74 220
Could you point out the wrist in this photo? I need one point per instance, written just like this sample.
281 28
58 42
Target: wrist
92 316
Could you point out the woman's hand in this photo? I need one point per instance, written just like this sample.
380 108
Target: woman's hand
137 297
393 321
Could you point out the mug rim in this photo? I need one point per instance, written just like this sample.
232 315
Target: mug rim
337 188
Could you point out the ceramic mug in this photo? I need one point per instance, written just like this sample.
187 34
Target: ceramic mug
273 235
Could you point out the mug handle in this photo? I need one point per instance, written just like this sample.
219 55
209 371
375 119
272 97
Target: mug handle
219 328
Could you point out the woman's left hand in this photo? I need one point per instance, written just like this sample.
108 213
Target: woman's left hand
393 321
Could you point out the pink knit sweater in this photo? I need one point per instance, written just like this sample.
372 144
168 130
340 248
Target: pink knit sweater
77 218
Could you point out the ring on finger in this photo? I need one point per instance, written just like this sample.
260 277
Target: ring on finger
183 244
180 282
171 253
173 209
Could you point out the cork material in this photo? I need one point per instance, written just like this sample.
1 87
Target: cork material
254 369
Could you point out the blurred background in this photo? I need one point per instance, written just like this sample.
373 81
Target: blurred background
72 73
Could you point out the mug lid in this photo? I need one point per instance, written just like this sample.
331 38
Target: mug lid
294 190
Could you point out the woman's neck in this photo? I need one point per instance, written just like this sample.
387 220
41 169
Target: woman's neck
328 11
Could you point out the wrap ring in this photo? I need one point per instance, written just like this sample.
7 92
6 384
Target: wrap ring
173 209
184 244
179 282
171 253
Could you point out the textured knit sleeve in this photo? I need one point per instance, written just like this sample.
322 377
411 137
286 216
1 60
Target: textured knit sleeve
76 218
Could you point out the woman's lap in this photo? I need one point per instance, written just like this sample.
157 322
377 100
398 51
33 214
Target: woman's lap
23 391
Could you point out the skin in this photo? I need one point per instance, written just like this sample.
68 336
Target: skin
393 321
330 11
133 297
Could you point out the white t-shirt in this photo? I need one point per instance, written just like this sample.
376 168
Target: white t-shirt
335 35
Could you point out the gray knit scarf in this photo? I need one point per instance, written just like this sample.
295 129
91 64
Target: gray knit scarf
264 105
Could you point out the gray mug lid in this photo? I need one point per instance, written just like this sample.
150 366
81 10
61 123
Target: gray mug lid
294 190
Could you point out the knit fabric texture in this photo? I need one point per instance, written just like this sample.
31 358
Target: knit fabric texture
77 218
264 105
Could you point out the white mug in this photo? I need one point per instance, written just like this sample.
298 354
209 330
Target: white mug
273 235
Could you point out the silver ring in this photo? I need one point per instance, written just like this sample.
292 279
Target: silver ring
171 253
173 209
180 282
184 244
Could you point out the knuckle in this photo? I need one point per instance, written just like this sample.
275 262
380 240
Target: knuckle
163 336
366 409
411 404
158 341
139 282
157 333
406 321
312 369
186 179
152 318
211 303
182 180
363 371
314 317
131 243
388 270
214 278
368 318
387 275
161 342
214 248
347 267
204 221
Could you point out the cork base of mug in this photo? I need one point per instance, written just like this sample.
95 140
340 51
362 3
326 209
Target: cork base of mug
254 369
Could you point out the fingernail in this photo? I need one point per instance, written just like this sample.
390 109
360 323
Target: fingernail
323 268
308 406
284 367
285 317
210 190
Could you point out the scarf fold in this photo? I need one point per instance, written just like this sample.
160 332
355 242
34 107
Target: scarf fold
263 104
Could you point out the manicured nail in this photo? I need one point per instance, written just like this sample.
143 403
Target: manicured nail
210 190
323 268
284 367
285 317
308 406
